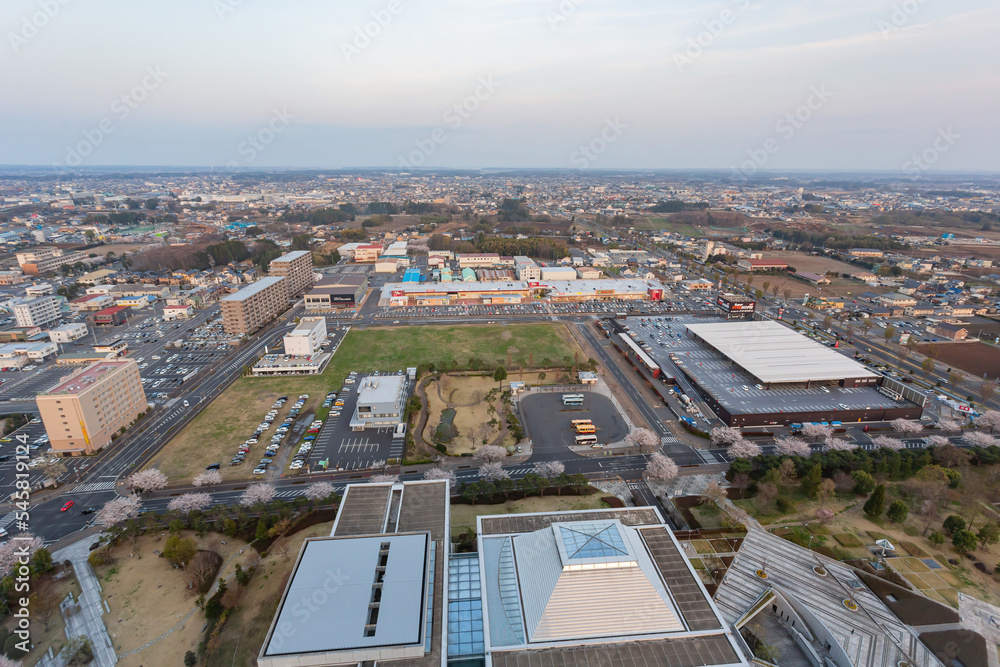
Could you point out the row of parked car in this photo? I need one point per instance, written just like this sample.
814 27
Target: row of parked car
306 446
281 433
269 418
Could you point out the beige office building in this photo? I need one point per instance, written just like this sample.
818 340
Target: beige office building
86 408
254 306
297 269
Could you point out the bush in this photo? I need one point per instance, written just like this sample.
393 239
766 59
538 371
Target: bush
954 524
179 550
937 537
99 557
190 659
897 512
11 650
784 505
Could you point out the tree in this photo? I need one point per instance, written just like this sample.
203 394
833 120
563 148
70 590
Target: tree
179 550
906 426
190 502
661 466
201 568
118 510
207 478
811 481
949 455
278 532
936 538
990 418
490 453
889 332
864 483
550 470
383 478
499 375
979 439
53 467
713 494
898 511
190 659
725 435
824 516
817 431
988 534
744 449
792 447
876 503
491 472
885 442
964 541
927 366
319 491
257 494
41 562
642 437
986 390
827 489
441 473
953 524
145 481
949 425
839 445
766 493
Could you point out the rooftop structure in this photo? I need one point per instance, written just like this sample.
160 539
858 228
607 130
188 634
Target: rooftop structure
380 401
773 353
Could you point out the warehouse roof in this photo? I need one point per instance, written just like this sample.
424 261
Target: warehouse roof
772 352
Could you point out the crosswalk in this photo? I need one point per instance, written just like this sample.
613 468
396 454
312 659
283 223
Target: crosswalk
7 519
94 486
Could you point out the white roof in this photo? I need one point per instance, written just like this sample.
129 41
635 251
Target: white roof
772 352
253 288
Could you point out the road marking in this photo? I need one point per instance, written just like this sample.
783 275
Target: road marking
94 486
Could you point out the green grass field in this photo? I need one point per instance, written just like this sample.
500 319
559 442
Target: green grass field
214 435
664 224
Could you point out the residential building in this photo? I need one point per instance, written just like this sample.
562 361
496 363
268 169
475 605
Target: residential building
11 278
171 313
954 332
252 307
476 260
39 290
136 302
897 300
67 333
297 269
36 312
91 303
42 260
367 253
112 317
381 402
28 351
88 407
306 338
865 252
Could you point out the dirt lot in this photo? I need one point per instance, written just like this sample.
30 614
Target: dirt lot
801 261
840 287
979 359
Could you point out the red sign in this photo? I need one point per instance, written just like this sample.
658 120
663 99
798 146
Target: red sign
398 292
655 294
533 284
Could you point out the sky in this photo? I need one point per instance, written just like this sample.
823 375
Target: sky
906 86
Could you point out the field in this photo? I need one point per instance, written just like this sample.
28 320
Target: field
979 359
840 287
663 224
213 436
464 516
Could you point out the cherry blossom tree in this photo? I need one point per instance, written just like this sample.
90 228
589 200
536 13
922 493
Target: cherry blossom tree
490 454
817 431
906 426
190 502
979 439
118 510
884 441
11 551
493 472
257 494
319 491
744 449
792 447
839 445
725 435
949 425
145 481
383 478
7 662
990 418
938 441
824 516
549 469
642 437
208 478
661 466
441 473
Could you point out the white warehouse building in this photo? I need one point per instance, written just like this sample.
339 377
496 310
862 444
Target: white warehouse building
307 337
381 402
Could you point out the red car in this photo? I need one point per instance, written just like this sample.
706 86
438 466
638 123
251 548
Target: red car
69 503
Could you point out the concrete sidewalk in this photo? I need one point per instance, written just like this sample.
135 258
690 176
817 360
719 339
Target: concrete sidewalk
85 615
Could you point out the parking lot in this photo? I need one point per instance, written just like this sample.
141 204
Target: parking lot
547 422
352 450
737 391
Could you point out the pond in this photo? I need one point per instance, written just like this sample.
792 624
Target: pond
445 431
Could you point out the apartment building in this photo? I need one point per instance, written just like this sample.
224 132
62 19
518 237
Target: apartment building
88 407
37 261
297 269
254 306
68 333
36 312
307 337
526 269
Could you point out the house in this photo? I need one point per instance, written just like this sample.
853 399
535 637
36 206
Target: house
921 309
898 300
171 313
954 332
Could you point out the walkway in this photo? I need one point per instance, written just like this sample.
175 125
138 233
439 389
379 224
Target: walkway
84 616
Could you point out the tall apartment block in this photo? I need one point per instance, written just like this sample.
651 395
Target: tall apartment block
86 408
254 306
297 269
36 312
41 260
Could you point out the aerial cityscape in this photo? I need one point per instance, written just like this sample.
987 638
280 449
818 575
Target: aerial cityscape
505 335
